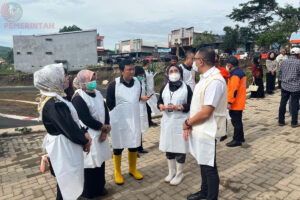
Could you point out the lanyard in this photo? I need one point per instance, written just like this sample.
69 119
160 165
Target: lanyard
171 95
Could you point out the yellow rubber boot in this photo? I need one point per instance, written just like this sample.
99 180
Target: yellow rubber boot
132 156
118 175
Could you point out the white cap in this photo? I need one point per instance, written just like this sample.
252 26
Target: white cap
295 50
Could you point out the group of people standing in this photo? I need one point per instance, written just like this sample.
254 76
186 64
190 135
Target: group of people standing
194 120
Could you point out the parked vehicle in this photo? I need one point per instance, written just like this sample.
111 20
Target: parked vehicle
150 58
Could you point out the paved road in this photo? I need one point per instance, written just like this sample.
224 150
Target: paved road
13 123
266 167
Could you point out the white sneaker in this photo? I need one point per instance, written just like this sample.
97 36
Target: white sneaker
172 170
179 174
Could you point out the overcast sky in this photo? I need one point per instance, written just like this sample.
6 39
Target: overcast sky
125 19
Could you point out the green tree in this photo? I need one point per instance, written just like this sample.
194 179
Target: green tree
204 38
70 29
230 39
9 57
279 33
258 13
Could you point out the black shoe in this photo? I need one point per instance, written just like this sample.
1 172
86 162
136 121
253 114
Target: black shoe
104 192
223 138
153 124
142 151
234 143
281 124
295 126
196 196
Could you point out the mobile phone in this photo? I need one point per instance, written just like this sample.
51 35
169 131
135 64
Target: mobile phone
168 109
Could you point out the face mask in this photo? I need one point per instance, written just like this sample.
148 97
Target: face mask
92 85
140 78
195 68
151 67
174 77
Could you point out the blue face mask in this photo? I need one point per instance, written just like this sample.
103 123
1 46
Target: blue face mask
92 85
140 78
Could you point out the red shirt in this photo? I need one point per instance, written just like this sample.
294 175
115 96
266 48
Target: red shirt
224 72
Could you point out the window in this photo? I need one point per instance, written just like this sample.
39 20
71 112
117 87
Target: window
49 53
29 53
18 53
49 39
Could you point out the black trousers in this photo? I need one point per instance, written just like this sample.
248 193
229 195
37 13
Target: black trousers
179 157
141 148
94 181
237 123
149 111
294 102
260 93
270 86
119 151
210 181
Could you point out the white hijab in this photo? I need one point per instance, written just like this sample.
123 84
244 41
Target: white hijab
50 80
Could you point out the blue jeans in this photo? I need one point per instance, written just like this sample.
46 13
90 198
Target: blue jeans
294 106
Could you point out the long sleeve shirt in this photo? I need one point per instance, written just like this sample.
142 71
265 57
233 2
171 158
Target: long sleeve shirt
236 89
58 120
271 65
85 115
289 74
185 106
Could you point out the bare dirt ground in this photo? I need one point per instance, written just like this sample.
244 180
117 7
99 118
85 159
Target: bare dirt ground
26 96
18 108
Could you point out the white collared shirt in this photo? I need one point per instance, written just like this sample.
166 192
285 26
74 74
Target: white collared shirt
214 90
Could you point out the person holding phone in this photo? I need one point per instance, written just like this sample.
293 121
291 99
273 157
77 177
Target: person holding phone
174 101
94 116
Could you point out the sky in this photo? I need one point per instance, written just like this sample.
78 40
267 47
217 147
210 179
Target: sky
121 20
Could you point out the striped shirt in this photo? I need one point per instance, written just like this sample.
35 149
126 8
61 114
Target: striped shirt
289 74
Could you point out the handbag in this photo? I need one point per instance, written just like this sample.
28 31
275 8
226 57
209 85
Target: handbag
44 163
253 88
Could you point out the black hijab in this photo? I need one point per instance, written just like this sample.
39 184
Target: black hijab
173 86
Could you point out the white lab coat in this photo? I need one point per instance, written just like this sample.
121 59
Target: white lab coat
171 136
143 110
152 102
125 117
188 77
99 152
67 160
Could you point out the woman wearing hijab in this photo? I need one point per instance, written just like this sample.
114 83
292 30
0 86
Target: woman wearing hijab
65 140
175 99
257 78
271 65
94 116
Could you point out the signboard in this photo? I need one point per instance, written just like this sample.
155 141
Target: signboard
167 50
125 48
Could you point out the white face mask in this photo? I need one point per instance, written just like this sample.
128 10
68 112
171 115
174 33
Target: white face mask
174 77
195 68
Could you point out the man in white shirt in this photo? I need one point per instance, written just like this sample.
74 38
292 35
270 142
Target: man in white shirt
188 72
207 122
281 57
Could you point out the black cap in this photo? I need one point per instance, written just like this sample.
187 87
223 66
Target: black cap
232 60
